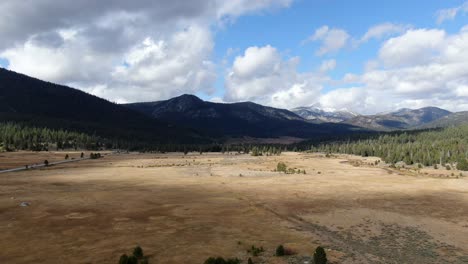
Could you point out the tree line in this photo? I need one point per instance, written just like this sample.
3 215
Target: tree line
20 137
432 147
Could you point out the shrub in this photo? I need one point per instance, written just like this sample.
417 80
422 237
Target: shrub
447 167
132 260
66 157
123 259
420 166
220 260
82 155
46 163
250 261
435 166
138 252
280 251
281 167
255 250
320 257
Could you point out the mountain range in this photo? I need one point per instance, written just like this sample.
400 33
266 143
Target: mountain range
426 117
189 119
236 119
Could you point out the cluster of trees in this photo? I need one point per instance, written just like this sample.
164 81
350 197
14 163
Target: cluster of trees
320 257
20 137
265 151
441 146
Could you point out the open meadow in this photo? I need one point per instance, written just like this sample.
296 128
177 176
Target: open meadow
186 208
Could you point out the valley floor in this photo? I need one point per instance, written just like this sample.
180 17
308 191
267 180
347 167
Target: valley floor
184 209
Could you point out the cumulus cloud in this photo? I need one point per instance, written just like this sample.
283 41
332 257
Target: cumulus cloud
262 75
332 39
414 47
421 68
383 30
230 9
118 49
451 13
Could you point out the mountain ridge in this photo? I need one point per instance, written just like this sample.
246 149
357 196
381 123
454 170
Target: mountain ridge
234 119
28 100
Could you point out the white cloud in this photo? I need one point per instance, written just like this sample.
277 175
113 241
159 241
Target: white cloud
383 30
344 98
118 49
262 75
230 9
332 39
414 47
423 68
328 65
451 13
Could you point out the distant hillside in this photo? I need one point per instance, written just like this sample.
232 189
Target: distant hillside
453 119
34 102
401 119
236 119
319 115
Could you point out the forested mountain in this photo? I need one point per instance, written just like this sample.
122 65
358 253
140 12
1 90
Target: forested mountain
401 119
441 146
34 102
236 119
453 119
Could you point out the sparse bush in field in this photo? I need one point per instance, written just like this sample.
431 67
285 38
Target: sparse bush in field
220 260
95 155
250 261
420 166
138 252
132 260
320 257
136 258
281 166
255 251
435 166
67 157
447 167
123 259
82 155
279 251
46 163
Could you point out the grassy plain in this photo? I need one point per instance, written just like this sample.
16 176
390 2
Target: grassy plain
184 209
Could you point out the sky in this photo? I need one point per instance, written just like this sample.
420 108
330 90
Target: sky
364 56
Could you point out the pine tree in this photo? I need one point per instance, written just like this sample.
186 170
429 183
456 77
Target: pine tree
280 251
320 257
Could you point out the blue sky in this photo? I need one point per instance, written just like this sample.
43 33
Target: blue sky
282 53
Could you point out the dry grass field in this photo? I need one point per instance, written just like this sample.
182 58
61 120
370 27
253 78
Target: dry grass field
184 209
